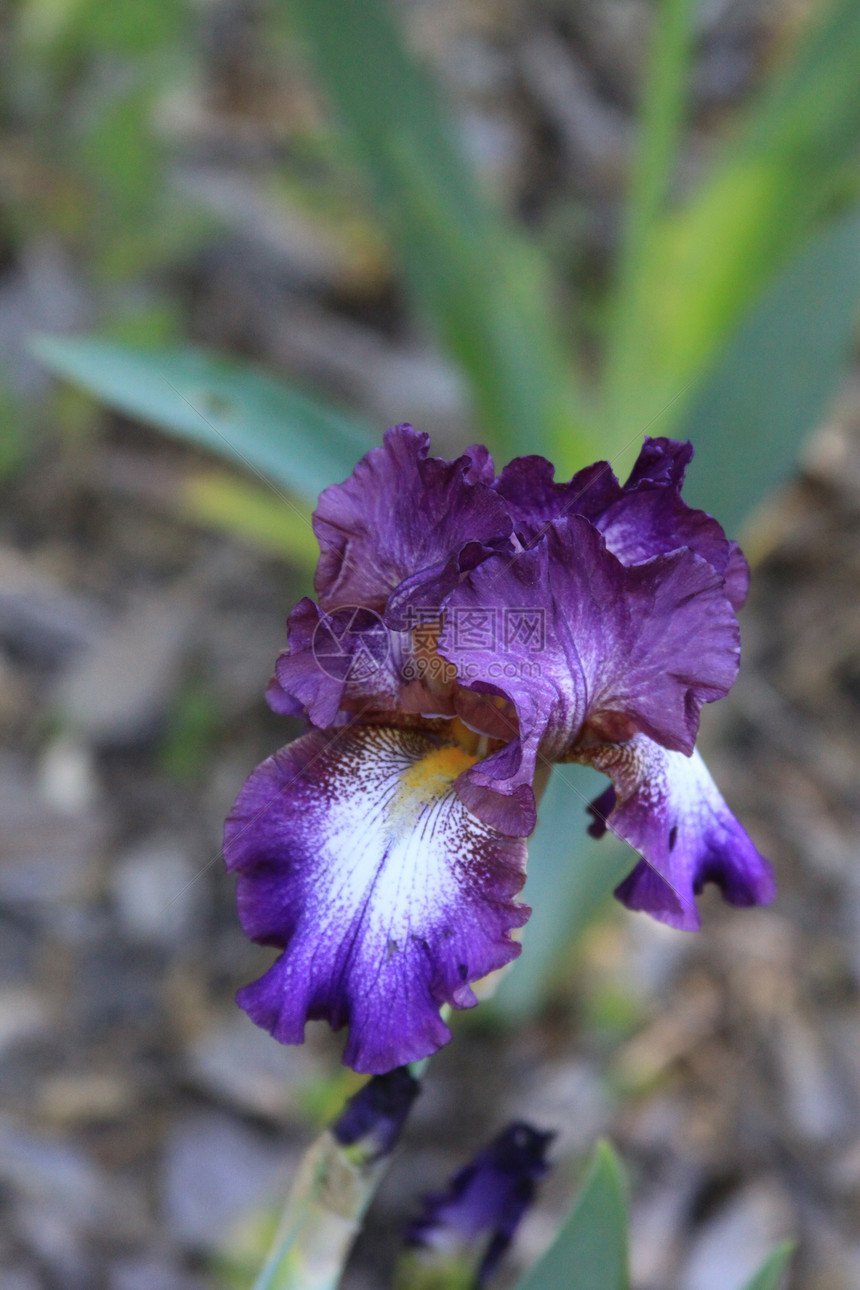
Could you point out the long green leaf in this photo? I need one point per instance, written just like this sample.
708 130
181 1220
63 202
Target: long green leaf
770 1274
653 166
772 383
710 261
590 1251
232 409
570 876
484 288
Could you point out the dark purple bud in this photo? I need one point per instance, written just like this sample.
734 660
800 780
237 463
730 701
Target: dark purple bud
486 1200
374 1117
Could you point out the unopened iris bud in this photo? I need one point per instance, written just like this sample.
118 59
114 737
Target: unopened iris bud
465 1230
373 1119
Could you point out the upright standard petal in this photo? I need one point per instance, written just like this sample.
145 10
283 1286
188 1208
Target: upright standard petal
615 650
535 499
667 806
355 856
403 515
640 519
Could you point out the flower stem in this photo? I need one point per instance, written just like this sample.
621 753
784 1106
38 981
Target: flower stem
335 1183
321 1218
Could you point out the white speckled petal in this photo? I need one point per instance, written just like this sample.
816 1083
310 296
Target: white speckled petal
388 897
668 807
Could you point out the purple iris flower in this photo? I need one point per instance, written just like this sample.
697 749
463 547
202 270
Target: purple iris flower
475 1220
469 631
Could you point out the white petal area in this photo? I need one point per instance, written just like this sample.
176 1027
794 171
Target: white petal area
388 896
668 807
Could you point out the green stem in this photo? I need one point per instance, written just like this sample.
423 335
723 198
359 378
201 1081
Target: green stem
321 1218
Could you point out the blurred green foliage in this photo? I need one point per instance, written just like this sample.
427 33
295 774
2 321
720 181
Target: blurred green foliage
570 878
702 264
81 83
193 724
482 284
276 431
590 1251
771 1275
221 500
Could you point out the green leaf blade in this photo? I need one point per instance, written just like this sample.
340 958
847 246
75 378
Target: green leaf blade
771 384
486 291
245 415
770 1275
792 161
591 1250
570 876
662 111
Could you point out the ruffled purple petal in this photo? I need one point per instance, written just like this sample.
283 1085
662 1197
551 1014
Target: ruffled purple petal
534 499
614 650
662 462
349 663
643 518
650 518
655 520
357 858
402 514
481 469
669 809
499 789
300 686
280 701
737 576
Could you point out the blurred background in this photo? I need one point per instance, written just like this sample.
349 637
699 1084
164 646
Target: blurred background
553 226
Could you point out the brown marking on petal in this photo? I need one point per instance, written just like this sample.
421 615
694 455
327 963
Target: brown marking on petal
624 763
607 727
488 714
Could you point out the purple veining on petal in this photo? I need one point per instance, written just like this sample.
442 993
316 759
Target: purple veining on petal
485 1202
355 856
669 809
624 649
404 515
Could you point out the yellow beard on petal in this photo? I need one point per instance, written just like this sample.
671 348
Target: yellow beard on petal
424 783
